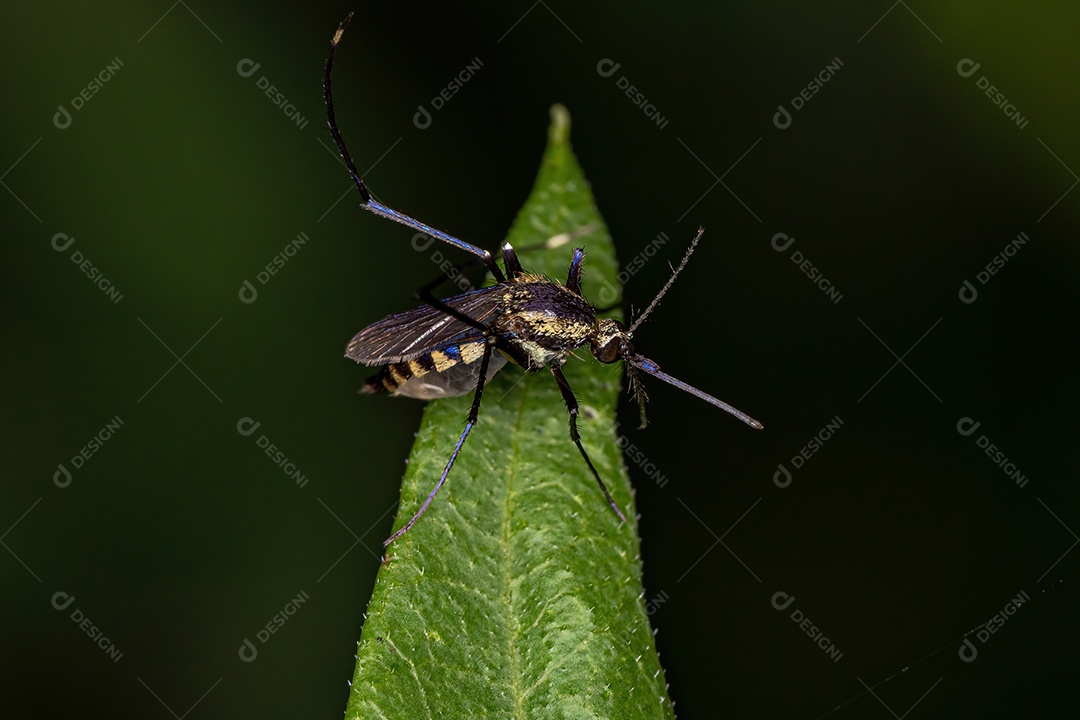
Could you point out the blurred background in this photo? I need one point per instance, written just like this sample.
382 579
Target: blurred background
888 280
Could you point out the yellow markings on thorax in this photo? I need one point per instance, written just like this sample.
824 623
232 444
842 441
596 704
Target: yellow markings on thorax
548 323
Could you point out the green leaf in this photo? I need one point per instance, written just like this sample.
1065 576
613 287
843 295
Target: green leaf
518 594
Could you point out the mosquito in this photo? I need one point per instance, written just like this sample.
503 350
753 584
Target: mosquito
452 346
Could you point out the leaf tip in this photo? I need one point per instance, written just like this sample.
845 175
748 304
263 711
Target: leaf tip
559 132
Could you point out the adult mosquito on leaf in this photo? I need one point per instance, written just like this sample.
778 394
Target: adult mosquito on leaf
452 346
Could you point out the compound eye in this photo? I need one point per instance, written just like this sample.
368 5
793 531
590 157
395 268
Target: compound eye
609 351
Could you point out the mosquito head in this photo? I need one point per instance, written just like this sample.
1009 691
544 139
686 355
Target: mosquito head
610 341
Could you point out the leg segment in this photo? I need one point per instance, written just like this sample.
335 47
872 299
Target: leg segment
474 413
366 199
572 408
425 295
573 276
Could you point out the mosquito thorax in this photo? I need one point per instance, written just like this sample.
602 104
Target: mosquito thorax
609 340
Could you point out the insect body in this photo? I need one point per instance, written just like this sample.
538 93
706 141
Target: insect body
453 346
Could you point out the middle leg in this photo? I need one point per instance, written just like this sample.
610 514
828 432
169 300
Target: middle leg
572 409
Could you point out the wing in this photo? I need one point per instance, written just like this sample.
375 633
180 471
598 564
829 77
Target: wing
408 335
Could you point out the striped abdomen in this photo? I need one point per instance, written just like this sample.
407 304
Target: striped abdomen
448 372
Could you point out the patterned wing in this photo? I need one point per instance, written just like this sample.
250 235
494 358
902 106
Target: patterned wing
423 330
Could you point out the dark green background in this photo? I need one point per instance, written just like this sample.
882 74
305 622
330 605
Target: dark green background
899 180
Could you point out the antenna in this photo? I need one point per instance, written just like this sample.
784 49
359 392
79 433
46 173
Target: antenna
668 284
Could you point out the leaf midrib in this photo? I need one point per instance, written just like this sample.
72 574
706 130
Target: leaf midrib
508 561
